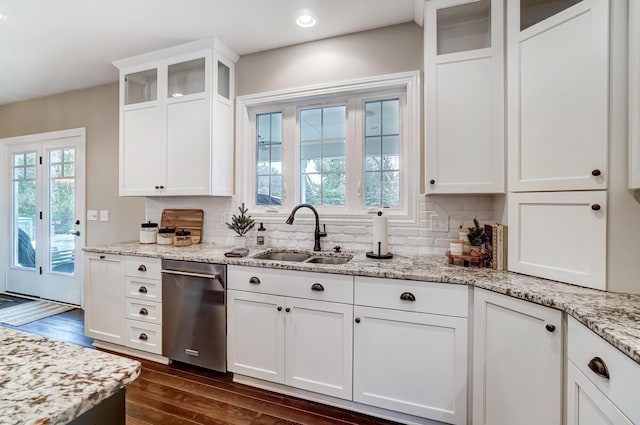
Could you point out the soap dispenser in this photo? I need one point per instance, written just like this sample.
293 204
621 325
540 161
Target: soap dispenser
261 238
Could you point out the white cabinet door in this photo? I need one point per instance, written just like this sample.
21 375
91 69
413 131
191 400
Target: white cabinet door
413 363
318 346
586 405
517 362
559 236
634 94
558 97
464 96
255 335
104 298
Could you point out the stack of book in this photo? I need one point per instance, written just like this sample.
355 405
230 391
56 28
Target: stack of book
496 245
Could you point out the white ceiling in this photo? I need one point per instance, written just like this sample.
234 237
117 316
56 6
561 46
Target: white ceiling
53 46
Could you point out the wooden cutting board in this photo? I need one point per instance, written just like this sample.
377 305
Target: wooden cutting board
186 219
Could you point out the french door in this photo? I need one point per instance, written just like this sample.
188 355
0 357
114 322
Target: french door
45 193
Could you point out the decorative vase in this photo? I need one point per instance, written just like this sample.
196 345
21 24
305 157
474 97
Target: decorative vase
240 241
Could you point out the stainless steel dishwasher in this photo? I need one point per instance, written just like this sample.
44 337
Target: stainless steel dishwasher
194 314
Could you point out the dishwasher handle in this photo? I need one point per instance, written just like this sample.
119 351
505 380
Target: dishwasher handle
202 275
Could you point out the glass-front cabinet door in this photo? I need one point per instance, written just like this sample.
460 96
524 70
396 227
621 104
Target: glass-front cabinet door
463 27
141 86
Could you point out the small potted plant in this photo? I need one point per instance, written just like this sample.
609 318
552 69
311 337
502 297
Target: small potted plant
477 238
241 224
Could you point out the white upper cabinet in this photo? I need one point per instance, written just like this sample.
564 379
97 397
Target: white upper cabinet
176 121
558 94
634 94
464 96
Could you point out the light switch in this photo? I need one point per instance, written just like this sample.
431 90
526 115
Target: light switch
92 215
104 215
439 223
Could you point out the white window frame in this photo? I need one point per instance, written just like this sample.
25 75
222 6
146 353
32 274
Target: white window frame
404 85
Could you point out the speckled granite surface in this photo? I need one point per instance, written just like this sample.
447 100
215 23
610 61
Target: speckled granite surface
49 382
615 317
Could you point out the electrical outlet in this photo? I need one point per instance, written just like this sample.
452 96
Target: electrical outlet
439 223
104 215
92 215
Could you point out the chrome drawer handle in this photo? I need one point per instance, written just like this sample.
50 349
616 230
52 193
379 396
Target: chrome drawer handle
144 311
142 268
317 287
143 337
142 290
407 296
599 367
254 280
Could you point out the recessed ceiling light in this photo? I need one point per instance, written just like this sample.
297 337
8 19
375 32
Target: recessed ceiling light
306 21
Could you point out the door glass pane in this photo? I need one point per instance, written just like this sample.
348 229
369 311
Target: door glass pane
323 155
464 27
382 153
62 200
186 78
269 159
24 209
141 86
534 11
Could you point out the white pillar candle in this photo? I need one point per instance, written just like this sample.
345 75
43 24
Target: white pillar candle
380 225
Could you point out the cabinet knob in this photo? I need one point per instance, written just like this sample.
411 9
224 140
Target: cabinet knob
144 311
102 257
599 367
161 187
432 181
317 287
143 337
157 187
550 327
143 290
596 173
279 308
287 309
595 207
357 320
142 268
254 280
407 296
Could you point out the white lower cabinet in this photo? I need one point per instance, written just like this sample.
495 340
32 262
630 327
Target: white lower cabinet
602 383
302 343
411 361
517 362
104 297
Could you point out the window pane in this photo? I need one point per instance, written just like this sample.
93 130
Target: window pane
18 159
24 213
323 155
30 172
69 155
55 156
55 170
269 159
68 170
382 154
61 207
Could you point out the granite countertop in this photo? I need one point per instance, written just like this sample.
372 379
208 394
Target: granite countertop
43 381
613 316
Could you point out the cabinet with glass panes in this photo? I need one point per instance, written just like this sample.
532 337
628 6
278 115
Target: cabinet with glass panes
176 105
464 90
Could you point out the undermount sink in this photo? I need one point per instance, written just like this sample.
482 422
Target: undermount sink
303 257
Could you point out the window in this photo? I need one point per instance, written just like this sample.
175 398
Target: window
349 149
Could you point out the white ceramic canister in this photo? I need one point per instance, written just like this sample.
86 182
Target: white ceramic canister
148 232
166 235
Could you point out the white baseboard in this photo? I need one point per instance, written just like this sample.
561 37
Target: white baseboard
130 351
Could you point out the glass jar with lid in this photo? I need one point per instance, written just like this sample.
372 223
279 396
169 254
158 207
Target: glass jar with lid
148 232
182 238
166 235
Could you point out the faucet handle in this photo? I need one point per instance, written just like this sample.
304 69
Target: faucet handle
337 248
324 231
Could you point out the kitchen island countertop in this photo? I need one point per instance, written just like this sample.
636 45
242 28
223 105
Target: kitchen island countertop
43 381
613 316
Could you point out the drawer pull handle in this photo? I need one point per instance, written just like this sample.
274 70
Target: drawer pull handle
357 320
254 280
550 327
102 257
279 308
596 173
142 268
143 337
407 296
287 309
595 207
317 287
144 311
143 290
599 367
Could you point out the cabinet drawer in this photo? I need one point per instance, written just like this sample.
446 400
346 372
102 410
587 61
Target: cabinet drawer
623 385
145 311
144 336
327 287
144 289
148 268
422 297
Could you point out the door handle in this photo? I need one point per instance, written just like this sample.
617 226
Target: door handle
76 233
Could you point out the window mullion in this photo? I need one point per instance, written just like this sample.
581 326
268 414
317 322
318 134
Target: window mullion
355 177
290 158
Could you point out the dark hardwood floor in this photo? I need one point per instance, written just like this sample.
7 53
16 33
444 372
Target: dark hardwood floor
180 394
